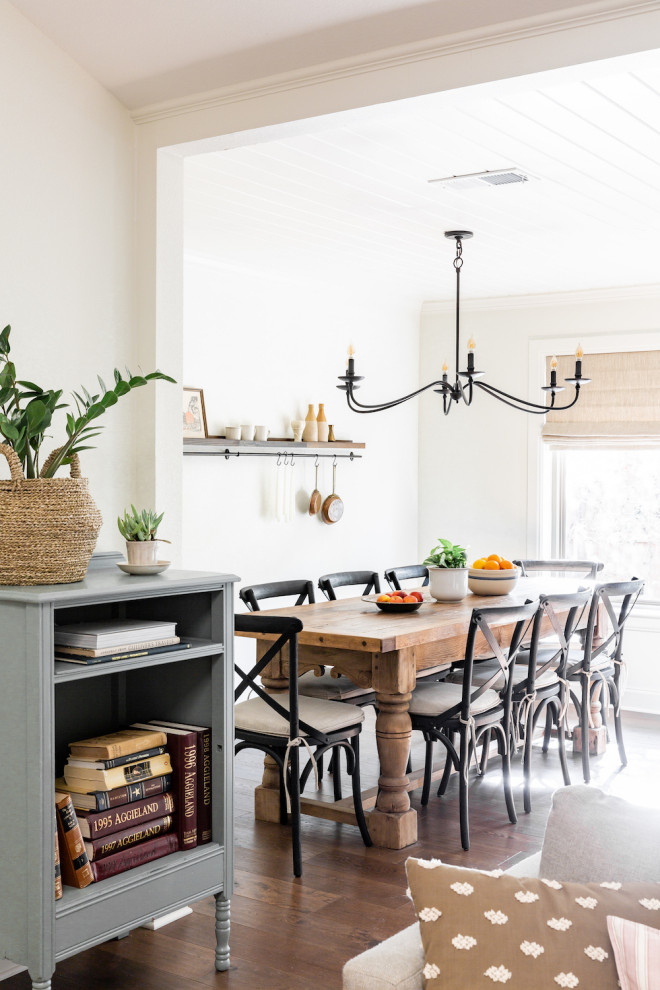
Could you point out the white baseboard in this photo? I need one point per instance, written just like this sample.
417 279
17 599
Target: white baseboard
8 968
166 919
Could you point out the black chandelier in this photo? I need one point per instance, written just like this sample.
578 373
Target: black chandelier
465 381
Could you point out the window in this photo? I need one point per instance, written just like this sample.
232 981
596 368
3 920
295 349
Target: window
606 506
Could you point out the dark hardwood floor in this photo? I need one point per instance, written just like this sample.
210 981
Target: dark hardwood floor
291 934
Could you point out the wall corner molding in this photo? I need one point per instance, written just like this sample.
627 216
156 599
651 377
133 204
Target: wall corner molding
537 26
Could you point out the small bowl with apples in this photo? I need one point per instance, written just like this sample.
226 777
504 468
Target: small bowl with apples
397 601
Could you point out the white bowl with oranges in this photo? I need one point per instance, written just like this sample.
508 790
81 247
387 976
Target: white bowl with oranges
493 575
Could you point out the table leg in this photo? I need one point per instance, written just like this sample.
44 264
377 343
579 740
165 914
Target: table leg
393 823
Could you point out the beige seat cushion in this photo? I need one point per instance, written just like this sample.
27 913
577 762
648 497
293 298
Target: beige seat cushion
330 688
326 716
434 699
482 672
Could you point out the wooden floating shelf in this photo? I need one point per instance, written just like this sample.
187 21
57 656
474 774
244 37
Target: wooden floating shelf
212 445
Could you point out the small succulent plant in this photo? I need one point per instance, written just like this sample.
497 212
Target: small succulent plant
140 525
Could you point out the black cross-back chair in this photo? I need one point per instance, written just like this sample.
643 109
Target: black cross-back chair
276 724
349 579
444 710
323 682
251 595
410 572
600 662
544 689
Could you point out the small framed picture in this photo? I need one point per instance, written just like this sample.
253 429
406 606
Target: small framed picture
194 413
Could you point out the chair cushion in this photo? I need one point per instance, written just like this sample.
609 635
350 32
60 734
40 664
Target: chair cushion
481 672
434 699
330 688
481 929
591 835
326 716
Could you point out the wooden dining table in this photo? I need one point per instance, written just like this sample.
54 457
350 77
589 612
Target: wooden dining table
384 651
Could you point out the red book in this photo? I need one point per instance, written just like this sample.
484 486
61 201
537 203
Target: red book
74 862
107 845
203 778
143 852
182 747
95 824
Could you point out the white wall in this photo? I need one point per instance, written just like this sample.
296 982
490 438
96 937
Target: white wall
262 349
479 467
67 246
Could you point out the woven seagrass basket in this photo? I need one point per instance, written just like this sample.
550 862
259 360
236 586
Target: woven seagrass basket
48 526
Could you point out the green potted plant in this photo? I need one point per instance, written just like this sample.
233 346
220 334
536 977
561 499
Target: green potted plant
448 571
139 529
48 524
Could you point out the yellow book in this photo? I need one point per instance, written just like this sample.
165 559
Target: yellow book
105 780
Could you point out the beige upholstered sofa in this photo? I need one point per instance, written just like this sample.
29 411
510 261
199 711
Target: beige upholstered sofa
590 837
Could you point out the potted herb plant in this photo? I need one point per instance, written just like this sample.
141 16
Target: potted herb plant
49 525
448 571
139 530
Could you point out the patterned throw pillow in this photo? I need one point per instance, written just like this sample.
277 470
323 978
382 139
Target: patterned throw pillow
637 954
485 929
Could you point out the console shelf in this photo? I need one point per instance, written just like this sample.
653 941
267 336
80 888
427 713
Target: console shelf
46 704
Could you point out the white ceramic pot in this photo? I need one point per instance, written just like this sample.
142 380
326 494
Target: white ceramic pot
448 584
142 551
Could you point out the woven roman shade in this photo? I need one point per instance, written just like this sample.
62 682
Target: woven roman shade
621 403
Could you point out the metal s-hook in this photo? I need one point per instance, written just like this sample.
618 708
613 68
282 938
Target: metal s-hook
279 459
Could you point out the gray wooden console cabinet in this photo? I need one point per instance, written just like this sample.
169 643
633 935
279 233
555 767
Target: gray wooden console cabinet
44 705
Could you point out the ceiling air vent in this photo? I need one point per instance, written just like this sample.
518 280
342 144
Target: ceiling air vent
477 180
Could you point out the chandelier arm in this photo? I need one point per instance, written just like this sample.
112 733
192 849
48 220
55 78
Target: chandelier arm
523 405
470 394
362 407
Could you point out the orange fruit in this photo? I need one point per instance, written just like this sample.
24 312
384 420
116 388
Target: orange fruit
418 595
506 565
410 600
491 565
496 557
383 598
478 564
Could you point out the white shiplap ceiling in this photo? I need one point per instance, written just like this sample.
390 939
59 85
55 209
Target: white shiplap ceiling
354 192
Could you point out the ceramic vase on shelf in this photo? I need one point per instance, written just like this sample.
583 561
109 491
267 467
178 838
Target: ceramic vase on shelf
310 433
322 425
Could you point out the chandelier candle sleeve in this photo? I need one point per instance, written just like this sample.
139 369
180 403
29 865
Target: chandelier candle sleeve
461 388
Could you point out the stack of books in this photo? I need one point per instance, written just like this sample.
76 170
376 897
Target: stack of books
120 786
117 639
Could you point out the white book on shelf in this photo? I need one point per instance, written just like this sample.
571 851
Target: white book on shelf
115 632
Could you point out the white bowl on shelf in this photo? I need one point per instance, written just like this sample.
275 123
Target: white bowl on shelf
485 582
